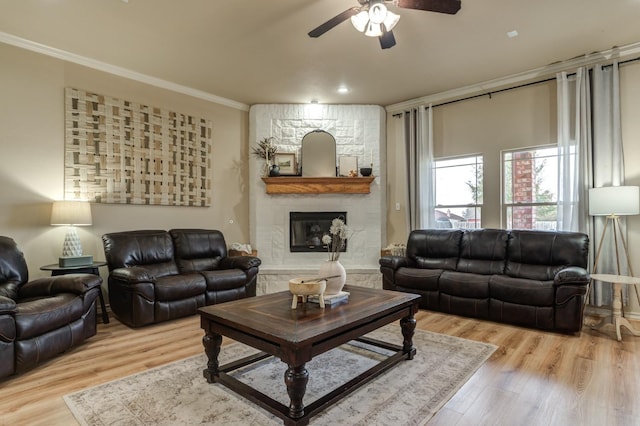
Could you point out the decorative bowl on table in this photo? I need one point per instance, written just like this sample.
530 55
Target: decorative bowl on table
306 287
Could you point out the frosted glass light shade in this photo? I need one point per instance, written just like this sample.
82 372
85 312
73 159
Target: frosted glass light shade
360 20
76 213
373 30
377 13
614 200
391 20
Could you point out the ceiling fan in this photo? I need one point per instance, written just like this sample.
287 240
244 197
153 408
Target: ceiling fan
375 20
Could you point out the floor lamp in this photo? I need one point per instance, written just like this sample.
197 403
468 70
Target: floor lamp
613 202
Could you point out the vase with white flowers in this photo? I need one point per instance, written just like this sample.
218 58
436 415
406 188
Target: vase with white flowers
335 241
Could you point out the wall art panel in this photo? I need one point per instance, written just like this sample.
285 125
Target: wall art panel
117 151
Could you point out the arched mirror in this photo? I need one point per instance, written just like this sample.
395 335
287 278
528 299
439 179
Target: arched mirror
318 154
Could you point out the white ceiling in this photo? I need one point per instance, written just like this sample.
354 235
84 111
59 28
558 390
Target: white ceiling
258 51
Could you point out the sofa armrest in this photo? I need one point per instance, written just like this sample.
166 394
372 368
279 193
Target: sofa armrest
70 283
7 306
132 275
395 262
239 262
572 275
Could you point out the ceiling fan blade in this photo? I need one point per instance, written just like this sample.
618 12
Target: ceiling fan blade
338 19
450 7
387 40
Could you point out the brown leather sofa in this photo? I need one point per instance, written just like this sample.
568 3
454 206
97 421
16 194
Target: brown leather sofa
42 318
532 278
157 275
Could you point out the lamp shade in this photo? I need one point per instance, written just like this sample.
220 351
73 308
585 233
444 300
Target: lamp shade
76 213
614 200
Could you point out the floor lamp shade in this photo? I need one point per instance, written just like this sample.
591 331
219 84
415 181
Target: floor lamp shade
71 214
614 200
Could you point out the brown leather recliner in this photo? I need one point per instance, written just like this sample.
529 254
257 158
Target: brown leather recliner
155 275
42 318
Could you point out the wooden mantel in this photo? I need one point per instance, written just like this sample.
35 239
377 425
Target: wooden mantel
318 185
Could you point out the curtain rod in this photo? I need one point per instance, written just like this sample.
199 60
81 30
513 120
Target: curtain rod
514 87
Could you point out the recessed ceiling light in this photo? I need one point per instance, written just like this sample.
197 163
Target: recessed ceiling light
343 89
512 34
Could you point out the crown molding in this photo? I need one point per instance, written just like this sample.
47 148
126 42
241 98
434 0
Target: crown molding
519 78
119 71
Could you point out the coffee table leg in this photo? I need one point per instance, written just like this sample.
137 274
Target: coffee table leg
408 325
296 378
211 342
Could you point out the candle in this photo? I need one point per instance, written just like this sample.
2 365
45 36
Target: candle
371 157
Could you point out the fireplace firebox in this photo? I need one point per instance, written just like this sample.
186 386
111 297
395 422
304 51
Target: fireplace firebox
307 228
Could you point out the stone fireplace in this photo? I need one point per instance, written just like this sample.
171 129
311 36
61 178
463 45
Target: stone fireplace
359 131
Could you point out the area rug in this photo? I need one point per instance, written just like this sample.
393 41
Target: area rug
177 394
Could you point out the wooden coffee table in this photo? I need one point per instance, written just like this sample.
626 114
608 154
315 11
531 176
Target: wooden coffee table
296 336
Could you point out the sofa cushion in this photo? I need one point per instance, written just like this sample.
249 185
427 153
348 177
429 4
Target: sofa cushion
522 291
472 286
178 287
420 279
225 279
198 249
150 248
435 248
539 255
35 317
483 251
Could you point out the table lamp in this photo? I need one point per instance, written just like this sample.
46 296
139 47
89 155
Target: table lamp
613 202
72 214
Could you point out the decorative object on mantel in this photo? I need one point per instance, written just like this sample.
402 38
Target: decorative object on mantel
348 165
366 171
318 154
304 287
286 161
118 151
265 150
335 241
274 170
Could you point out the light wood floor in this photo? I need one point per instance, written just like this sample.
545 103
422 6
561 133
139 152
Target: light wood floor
534 378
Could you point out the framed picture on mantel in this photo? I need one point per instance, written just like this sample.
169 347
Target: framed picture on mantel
287 163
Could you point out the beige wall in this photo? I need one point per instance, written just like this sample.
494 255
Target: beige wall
32 148
485 125
521 117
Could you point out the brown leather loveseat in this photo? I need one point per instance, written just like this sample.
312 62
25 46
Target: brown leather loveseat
157 275
42 318
532 278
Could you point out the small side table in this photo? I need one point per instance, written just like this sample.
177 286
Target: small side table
84 269
617 318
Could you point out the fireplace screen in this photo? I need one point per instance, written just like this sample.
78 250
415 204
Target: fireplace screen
307 228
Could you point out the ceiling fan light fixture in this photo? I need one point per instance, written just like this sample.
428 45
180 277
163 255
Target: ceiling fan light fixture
373 30
391 20
377 13
360 20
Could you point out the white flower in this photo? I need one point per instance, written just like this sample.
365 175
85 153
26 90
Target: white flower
334 244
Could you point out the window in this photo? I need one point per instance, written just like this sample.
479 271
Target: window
530 182
458 192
